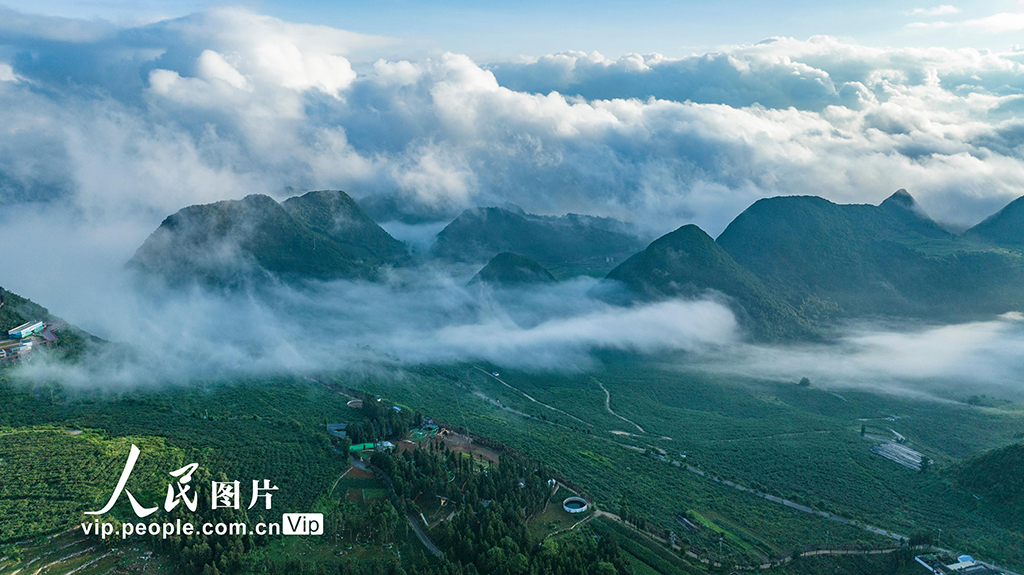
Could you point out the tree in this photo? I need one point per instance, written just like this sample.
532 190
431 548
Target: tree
863 430
925 463
804 382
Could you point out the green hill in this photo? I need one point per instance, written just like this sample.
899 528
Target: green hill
336 215
481 233
687 262
321 235
1005 227
997 476
508 269
16 310
863 260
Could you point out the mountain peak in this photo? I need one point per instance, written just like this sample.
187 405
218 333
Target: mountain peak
320 235
1005 227
508 269
908 212
689 263
901 198
479 234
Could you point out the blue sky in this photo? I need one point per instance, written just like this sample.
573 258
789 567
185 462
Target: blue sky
501 30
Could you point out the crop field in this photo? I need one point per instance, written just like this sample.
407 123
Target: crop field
627 435
69 552
800 444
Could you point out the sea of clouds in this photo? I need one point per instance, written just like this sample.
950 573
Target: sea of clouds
106 129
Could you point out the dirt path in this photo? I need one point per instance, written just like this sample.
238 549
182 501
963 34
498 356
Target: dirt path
337 480
799 507
608 406
692 555
527 396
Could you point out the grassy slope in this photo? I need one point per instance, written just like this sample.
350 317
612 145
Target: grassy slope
997 478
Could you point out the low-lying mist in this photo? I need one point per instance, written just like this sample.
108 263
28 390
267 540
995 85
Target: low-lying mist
947 361
428 314
425 314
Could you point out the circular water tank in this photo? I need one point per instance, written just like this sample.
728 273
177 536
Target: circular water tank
574 505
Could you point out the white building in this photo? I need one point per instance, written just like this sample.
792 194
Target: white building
26 329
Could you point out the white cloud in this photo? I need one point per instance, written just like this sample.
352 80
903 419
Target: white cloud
1001 23
224 103
7 73
953 361
943 10
213 66
997 23
17 25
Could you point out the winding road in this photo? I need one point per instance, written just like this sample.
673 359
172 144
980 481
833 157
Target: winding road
424 538
608 406
527 396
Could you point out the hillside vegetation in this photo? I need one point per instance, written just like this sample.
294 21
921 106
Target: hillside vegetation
998 476
1005 227
481 233
16 310
321 235
508 269
865 260
688 263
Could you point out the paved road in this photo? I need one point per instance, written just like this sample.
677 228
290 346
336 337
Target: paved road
424 538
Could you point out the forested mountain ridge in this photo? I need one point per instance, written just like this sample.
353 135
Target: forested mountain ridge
1005 227
688 263
870 260
321 235
481 233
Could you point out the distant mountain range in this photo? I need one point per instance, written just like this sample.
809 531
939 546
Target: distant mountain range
481 233
788 263
788 266
319 235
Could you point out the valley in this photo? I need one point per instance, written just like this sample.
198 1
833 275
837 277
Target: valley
687 463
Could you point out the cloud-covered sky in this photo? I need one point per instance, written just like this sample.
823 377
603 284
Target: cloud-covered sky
140 120
109 124
489 31
120 124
